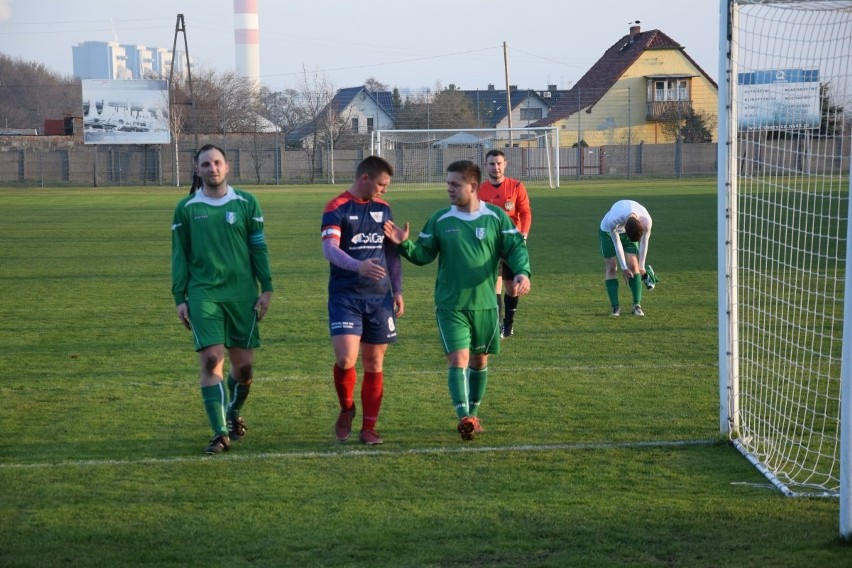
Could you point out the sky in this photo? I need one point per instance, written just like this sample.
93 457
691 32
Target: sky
401 43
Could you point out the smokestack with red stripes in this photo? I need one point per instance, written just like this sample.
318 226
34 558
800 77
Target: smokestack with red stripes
247 40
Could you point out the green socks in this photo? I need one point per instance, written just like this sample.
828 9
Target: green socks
636 288
467 389
238 394
612 291
215 399
477 379
457 383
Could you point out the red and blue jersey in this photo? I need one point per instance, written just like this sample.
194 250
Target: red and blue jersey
357 226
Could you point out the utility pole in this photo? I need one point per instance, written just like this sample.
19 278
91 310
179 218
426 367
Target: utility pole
180 27
508 90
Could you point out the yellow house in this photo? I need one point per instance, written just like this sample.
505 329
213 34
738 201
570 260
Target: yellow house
638 91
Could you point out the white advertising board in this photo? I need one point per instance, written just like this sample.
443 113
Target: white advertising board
778 99
125 112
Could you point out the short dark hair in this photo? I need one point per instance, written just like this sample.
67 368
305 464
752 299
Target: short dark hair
633 229
374 166
495 152
207 147
197 183
468 170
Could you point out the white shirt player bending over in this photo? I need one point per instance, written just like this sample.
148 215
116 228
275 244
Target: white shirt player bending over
624 235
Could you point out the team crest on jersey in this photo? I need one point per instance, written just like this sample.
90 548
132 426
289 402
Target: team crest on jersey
480 233
230 217
509 206
376 215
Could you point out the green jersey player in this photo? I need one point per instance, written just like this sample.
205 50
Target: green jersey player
219 260
468 239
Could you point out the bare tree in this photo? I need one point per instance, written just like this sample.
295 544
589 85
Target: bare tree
438 108
224 103
322 123
30 93
374 85
280 108
179 111
416 110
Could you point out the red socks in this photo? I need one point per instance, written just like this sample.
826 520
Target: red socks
344 384
372 389
371 399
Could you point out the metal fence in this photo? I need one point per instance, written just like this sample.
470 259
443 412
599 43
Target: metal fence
263 160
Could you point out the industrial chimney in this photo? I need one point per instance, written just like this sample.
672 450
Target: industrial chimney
247 40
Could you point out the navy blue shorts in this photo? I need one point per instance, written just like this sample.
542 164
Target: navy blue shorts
373 320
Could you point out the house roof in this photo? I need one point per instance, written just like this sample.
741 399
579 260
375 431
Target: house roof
341 100
608 69
491 103
344 97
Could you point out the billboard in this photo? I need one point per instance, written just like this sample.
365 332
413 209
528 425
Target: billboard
778 99
125 112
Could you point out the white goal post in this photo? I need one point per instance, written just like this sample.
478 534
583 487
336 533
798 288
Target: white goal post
420 157
785 304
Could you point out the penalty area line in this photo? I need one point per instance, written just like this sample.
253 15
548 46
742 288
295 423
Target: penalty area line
371 452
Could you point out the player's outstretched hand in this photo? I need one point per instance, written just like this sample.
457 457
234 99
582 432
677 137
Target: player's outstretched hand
395 233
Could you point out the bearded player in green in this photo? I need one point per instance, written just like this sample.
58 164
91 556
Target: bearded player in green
468 238
219 259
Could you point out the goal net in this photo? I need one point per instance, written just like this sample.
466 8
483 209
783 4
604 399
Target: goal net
420 157
785 92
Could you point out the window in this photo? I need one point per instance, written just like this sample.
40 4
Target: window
668 89
369 125
682 90
530 114
355 125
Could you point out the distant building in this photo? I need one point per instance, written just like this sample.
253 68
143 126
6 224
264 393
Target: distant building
112 60
644 81
100 60
352 111
528 106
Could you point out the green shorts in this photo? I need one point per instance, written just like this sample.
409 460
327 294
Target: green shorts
608 249
477 330
233 324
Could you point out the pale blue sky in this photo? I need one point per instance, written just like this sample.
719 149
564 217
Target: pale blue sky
401 43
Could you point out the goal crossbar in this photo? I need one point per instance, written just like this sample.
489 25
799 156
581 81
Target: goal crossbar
420 156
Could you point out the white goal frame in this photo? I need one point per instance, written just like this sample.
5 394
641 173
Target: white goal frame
420 156
777 183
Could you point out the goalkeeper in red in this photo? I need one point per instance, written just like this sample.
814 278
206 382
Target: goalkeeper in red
468 239
624 235
219 261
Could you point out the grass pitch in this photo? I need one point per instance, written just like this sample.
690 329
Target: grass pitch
602 445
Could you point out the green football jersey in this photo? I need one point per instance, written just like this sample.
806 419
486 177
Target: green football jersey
219 252
469 247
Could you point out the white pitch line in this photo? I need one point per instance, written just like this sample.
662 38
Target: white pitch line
372 452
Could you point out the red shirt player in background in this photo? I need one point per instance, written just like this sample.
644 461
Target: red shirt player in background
511 195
